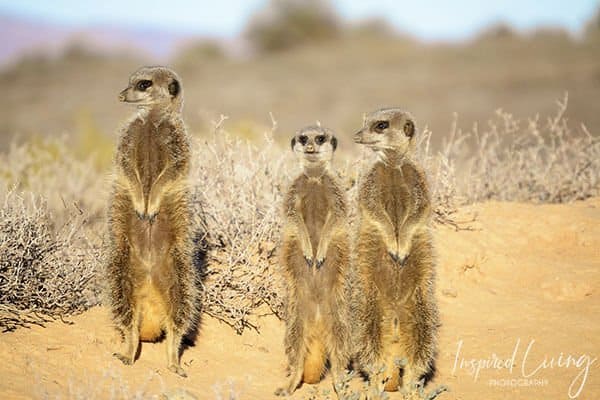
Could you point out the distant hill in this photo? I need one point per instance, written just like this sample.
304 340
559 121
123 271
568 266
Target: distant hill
334 82
21 37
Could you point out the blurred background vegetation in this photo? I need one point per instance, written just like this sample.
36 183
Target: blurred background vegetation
301 62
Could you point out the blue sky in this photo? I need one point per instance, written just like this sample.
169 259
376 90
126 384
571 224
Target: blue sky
429 20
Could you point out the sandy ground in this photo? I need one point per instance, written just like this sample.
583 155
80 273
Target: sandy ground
519 297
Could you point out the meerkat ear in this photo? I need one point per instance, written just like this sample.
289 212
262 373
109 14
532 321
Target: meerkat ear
334 142
409 128
293 142
174 88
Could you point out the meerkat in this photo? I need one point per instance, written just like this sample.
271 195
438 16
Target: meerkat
315 258
151 277
397 318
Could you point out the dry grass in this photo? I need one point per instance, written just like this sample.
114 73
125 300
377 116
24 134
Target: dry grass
46 272
533 160
51 241
237 193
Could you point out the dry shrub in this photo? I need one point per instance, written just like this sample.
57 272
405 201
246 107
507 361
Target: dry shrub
45 272
529 162
237 196
441 176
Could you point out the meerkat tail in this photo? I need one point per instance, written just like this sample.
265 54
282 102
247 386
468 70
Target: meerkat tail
153 315
392 382
151 327
314 363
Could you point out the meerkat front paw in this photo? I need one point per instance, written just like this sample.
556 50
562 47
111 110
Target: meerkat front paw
403 252
319 262
320 259
391 246
153 210
308 254
399 258
139 204
309 261
152 218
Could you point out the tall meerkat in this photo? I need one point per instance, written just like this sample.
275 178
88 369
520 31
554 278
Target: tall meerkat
315 257
397 312
151 277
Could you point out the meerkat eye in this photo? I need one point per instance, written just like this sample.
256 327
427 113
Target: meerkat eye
143 85
320 139
381 126
303 139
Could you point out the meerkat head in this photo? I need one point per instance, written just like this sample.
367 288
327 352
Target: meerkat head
153 86
388 129
314 145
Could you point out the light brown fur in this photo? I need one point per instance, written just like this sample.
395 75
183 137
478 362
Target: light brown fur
151 277
315 257
397 315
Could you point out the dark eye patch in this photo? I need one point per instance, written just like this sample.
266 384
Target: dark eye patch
143 85
303 139
320 139
380 126
174 88
334 142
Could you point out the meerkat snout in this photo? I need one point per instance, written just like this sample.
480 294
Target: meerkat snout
149 86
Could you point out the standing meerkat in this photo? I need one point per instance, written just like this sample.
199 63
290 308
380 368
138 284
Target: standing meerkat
315 258
151 277
397 312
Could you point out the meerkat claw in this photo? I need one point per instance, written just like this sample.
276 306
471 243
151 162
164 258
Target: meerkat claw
309 261
403 260
152 218
319 263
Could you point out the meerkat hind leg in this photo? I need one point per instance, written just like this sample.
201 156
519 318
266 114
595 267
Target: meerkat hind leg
132 342
409 379
296 373
337 371
173 339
